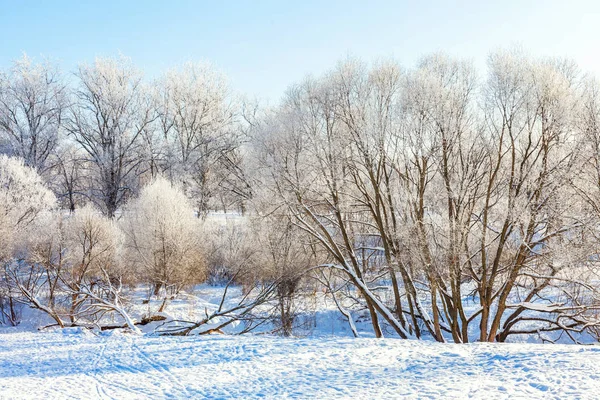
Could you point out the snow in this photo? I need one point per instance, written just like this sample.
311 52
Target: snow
75 363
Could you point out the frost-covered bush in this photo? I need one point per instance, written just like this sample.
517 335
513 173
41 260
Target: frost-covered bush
26 206
92 242
162 238
24 202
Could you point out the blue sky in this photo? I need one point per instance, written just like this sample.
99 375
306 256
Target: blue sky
263 46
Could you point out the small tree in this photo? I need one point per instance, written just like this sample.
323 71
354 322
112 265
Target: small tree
93 258
284 256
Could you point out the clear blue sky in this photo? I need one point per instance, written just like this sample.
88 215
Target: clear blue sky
263 46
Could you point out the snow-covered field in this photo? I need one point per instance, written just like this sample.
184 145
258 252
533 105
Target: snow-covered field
75 363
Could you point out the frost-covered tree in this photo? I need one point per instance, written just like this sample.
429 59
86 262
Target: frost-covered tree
68 177
33 98
197 119
308 155
163 242
110 111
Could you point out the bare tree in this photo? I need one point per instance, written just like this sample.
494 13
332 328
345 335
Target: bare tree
284 257
68 177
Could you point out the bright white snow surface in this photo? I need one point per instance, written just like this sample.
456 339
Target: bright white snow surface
75 363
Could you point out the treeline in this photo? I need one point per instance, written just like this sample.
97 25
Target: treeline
98 136
446 204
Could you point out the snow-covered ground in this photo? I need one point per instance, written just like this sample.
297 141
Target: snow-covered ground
75 363
323 362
